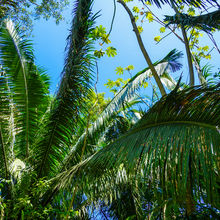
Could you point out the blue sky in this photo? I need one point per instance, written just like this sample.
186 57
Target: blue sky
50 40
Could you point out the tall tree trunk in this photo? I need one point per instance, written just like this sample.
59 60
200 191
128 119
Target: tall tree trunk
143 50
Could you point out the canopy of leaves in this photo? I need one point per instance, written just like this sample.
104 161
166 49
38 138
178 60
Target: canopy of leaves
24 11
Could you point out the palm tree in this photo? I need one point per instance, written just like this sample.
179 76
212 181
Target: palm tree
172 151
49 151
37 131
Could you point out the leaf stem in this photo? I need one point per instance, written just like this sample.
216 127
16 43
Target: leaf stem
169 123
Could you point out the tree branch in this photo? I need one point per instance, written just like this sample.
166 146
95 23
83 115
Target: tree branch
143 50
188 53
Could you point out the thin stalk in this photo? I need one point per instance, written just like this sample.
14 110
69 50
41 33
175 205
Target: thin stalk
82 154
213 41
103 213
163 24
143 50
159 124
188 53
48 148
112 22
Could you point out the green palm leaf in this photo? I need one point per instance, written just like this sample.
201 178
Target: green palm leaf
69 103
125 95
206 22
175 143
28 87
4 127
198 3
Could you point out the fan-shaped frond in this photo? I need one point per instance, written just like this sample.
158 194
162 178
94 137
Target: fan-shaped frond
175 144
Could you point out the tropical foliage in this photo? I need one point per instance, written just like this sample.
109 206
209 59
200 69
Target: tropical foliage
23 12
206 22
75 155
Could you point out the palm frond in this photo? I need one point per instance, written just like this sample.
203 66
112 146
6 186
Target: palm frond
125 95
206 22
197 3
56 137
177 141
27 85
4 127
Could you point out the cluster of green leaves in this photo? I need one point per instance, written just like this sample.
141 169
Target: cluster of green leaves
99 33
120 83
24 11
195 35
114 86
195 32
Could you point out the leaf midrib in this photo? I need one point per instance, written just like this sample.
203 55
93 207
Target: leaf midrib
11 33
199 124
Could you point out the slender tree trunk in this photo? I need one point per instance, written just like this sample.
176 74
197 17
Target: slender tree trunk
188 53
143 50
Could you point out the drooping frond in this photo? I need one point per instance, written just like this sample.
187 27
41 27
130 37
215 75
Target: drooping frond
169 63
206 22
176 144
75 85
26 84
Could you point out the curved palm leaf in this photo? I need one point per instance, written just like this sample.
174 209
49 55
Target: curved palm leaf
27 86
125 95
206 22
175 144
197 3
56 135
